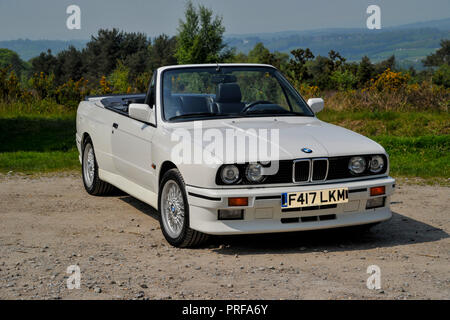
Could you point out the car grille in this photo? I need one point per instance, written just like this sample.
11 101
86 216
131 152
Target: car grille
310 171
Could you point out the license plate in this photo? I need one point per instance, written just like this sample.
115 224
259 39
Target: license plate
314 198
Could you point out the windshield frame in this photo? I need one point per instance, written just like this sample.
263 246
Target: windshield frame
235 67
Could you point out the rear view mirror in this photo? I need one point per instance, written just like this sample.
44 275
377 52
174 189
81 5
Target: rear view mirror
142 112
316 104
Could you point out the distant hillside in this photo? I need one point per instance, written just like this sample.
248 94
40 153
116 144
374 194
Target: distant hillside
410 43
28 49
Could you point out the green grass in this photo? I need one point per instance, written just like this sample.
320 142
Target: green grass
389 123
33 142
32 161
418 142
425 157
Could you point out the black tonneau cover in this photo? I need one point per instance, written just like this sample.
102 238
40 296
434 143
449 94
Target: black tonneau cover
119 102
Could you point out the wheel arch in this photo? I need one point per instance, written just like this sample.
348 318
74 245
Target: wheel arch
166 166
84 138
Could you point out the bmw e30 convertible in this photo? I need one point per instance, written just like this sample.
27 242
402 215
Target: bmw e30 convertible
223 149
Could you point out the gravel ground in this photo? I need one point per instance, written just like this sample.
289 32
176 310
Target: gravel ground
50 223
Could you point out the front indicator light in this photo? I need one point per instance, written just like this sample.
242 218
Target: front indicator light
375 203
377 191
226 214
238 202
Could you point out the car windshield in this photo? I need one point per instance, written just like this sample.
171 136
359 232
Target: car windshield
220 92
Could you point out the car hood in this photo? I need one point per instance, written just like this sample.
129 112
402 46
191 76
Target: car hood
295 133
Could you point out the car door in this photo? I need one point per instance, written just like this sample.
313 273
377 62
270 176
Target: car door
131 144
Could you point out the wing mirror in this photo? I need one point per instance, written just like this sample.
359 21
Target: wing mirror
142 112
316 104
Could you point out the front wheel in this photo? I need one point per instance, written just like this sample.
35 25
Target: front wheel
174 212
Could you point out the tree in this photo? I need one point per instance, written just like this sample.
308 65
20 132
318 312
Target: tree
365 71
385 64
162 51
336 60
343 80
297 65
440 57
260 54
109 46
442 76
320 70
200 37
46 62
69 65
11 58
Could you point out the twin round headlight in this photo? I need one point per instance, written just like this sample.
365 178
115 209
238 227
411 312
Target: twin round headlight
253 173
230 174
358 165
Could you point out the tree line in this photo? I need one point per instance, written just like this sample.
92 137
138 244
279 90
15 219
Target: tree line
122 61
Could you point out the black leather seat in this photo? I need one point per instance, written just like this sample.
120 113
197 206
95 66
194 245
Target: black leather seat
196 104
228 98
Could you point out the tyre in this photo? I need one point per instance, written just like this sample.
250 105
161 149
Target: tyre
174 212
89 169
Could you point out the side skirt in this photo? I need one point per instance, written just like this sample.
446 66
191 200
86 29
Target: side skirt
130 187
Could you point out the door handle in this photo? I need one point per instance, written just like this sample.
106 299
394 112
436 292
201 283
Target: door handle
115 125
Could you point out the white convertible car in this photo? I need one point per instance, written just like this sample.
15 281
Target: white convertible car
231 149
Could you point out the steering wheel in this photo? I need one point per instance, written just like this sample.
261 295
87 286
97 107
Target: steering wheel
254 103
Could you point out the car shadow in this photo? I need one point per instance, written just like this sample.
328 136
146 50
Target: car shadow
139 205
400 230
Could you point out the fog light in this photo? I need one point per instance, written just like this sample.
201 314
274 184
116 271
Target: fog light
375 203
238 202
227 214
377 191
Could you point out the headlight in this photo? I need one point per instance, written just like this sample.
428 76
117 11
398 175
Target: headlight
357 165
230 174
254 172
376 164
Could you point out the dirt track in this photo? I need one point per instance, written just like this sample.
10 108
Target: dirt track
50 223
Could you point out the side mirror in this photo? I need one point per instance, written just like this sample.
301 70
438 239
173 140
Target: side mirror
142 112
316 104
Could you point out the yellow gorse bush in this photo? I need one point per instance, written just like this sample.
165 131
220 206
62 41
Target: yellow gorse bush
389 81
105 86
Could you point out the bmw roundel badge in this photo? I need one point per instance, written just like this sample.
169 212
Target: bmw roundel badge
307 150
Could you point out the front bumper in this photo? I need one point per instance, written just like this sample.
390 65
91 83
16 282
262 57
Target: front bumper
263 213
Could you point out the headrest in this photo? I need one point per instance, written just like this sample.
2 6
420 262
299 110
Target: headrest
228 92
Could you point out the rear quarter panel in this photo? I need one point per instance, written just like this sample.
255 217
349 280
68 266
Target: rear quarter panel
96 121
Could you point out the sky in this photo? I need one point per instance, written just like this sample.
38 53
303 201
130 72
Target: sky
46 19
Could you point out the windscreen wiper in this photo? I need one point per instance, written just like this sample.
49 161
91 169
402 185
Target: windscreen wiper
274 113
194 114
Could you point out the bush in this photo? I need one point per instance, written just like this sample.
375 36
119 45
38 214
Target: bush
343 80
72 92
442 76
119 79
10 89
42 85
